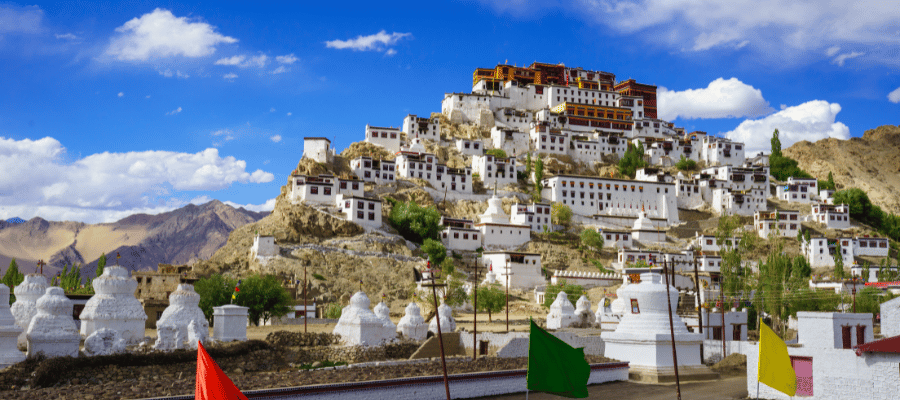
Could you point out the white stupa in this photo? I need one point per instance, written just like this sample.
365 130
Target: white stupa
384 315
644 231
114 306
9 332
490 278
27 293
52 330
358 325
583 312
448 324
494 213
184 308
643 337
412 325
606 315
562 312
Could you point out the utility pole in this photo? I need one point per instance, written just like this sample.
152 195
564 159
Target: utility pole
475 314
305 302
699 304
672 332
853 290
437 318
722 296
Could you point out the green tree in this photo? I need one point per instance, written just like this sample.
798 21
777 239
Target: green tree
686 164
214 291
735 280
861 208
70 280
838 261
499 153
633 160
591 240
801 268
435 250
491 299
560 214
101 263
538 177
573 292
528 166
333 311
776 145
773 285
12 278
265 298
827 184
414 222
869 300
782 168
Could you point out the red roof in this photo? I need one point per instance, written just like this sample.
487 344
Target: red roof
888 345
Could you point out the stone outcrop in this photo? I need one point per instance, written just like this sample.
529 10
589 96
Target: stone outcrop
114 306
52 330
104 342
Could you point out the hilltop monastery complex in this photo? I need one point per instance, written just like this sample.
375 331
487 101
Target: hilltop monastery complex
588 117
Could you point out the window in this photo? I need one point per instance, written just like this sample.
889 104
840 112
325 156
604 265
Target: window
314 190
860 334
343 185
371 206
371 216
327 190
359 215
845 336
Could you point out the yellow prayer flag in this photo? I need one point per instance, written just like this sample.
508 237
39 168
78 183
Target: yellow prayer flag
774 367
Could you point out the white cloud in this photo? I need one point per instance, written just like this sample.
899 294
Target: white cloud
276 138
168 73
67 36
121 94
147 97
107 186
15 19
723 98
287 59
225 135
840 59
376 42
175 111
280 70
221 132
244 61
230 76
160 34
269 205
894 97
390 52
289 114
782 31
272 109
810 121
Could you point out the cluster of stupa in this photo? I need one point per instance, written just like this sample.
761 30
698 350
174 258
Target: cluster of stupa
359 326
40 321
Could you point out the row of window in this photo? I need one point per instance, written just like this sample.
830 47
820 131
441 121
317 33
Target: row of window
384 135
465 236
368 174
361 215
360 205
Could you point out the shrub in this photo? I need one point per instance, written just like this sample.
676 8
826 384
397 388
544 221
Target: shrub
414 222
686 164
499 153
333 311
573 292
560 214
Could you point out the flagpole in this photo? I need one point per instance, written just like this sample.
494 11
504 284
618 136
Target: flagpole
758 329
672 331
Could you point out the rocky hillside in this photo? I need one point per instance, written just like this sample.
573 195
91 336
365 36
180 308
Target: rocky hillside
176 237
871 163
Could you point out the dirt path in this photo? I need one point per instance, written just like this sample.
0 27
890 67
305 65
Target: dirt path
734 387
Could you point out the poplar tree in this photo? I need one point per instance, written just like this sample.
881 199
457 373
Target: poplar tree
101 263
776 145
13 278
838 261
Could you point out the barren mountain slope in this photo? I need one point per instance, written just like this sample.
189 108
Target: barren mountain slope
175 237
871 163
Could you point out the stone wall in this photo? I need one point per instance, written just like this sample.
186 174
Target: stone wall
515 344
431 347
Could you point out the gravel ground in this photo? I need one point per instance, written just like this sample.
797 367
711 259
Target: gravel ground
179 378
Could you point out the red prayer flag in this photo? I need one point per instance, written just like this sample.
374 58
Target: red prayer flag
237 289
212 383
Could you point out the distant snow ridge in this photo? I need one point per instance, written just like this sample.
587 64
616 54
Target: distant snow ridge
16 220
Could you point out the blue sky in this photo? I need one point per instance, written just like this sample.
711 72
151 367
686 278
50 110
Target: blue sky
112 109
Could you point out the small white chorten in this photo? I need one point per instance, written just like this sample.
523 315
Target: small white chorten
27 293
490 278
114 306
184 308
9 332
412 325
494 213
448 324
384 315
358 325
562 312
52 330
643 337
583 312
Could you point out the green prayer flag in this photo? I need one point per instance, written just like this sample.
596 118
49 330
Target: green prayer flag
555 367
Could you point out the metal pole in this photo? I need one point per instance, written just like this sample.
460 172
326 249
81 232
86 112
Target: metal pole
508 274
672 332
722 296
699 304
475 314
437 317
853 290
305 302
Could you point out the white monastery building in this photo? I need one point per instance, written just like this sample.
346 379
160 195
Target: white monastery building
425 128
784 223
518 270
361 210
460 234
832 216
389 138
470 147
497 231
820 250
494 170
318 149
322 189
535 215
587 195
513 142
379 172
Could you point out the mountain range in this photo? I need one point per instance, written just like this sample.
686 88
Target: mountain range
180 236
